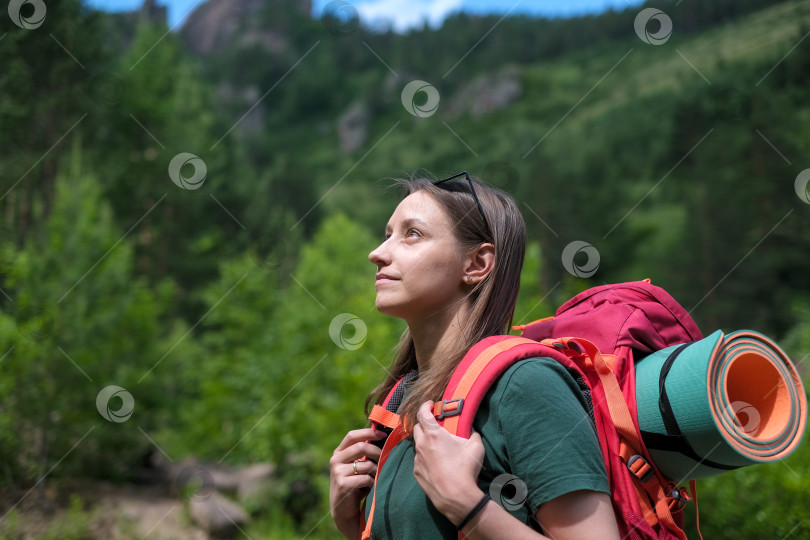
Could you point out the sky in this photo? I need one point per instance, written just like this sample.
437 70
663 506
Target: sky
404 14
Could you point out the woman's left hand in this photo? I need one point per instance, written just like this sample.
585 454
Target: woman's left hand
446 466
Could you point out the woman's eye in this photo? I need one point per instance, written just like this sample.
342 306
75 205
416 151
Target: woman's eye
410 233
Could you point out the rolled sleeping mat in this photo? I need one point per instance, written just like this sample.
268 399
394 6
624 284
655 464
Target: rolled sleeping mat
718 404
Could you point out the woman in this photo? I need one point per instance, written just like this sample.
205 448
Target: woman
450 266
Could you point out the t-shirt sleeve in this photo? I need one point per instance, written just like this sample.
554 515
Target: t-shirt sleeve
549 438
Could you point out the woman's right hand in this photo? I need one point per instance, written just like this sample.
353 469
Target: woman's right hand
347 488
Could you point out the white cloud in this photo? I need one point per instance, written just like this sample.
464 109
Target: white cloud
405 14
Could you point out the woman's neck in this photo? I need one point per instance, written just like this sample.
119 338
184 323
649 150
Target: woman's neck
435 335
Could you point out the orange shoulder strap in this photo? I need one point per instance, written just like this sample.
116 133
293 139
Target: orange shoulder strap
384 417
398 435
623 420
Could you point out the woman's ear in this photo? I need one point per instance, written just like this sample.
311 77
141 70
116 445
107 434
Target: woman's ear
479 264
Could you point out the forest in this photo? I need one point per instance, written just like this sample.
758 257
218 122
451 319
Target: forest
186 215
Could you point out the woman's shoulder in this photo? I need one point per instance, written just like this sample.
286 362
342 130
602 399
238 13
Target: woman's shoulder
535 384
535 422
533 372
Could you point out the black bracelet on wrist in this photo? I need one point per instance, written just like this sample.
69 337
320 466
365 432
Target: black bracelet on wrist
477 508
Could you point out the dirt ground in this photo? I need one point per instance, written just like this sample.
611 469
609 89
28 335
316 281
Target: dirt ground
108 511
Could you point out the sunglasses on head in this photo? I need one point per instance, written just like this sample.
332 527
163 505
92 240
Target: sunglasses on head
472 190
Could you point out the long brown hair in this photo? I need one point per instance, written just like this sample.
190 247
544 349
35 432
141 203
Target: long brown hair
492 300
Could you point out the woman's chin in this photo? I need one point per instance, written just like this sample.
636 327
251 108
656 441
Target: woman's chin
388 308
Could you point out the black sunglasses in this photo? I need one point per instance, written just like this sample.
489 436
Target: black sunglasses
472 189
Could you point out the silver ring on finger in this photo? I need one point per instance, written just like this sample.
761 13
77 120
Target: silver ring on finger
354 466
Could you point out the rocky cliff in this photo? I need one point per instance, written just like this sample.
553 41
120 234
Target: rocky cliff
217 24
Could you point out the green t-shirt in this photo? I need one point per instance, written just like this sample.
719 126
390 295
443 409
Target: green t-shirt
535 427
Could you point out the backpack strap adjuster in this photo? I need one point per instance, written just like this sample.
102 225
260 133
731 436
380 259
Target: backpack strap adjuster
447 407
640 468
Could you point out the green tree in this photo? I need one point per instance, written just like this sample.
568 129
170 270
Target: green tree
77 320
278 368
47 72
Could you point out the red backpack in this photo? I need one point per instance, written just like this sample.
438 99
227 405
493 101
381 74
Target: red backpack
598 336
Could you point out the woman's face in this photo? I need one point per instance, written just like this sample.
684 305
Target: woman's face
420 264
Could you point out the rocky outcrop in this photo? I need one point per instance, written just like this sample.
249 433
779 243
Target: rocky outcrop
218 516
352 127
191 478
216 494
153 12
487 93
218 25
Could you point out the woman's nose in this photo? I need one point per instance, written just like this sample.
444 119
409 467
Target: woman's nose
379 256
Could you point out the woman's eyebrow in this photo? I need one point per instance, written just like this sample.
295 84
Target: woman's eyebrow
408 223
413 221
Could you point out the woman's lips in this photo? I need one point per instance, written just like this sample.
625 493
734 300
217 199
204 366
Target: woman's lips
384 278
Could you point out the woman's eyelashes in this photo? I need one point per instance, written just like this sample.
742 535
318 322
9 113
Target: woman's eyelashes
410 233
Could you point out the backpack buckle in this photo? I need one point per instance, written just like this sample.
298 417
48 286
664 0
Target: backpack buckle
640 468
677 498
449 407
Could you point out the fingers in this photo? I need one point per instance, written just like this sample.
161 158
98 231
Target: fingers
346 485
354 436
477 444
425 416
352 473
350 470
425 422
361 467
354 447
358 450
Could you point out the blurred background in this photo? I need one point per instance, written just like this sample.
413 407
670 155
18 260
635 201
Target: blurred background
189 191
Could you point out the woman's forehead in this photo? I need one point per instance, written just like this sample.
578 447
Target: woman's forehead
420 206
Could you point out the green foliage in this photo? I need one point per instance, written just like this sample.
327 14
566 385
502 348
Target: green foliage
227 378
797 340
279 380
213 307
160 109
531 304
78 321
73 523
272 376
760 501
44 93
10 527
329 361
